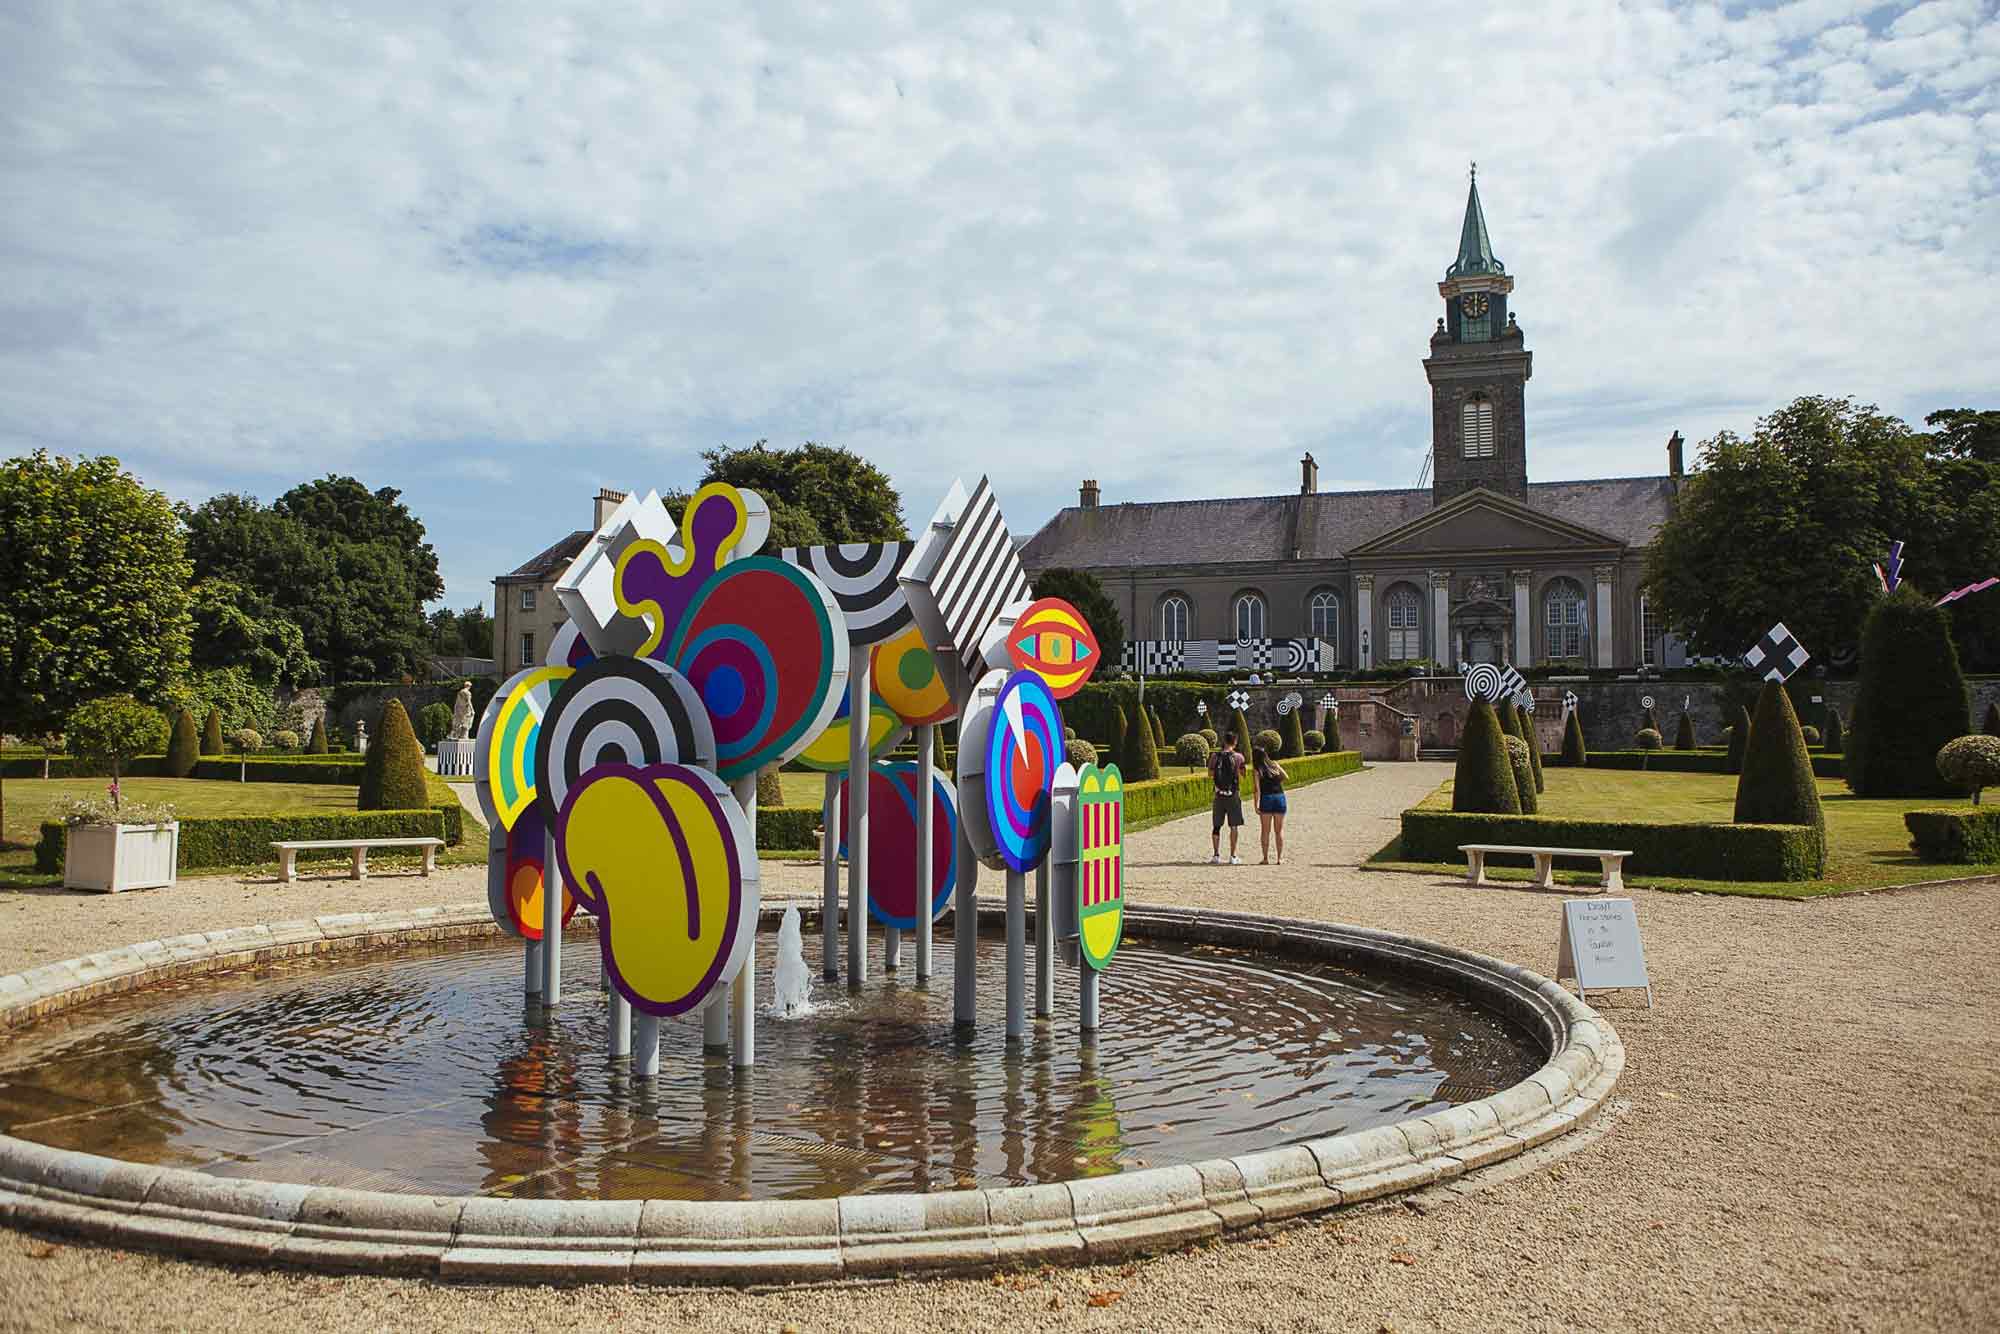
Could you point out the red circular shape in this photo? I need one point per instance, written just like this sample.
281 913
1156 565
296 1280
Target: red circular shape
1025 772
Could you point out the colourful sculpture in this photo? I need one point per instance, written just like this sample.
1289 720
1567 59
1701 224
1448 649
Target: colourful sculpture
962 573
1100 880
862 578
828 751
504 760
624 710
907 679
1020 743
518 904
892 843
1051 638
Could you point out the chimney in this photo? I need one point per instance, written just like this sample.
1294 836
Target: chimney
607 501
1308 475
1087 497
1674 454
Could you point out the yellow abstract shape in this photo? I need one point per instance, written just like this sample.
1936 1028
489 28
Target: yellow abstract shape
828 751
657 860
907 678
508 736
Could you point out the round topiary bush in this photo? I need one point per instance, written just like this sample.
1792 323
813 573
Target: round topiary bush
184 747
1971 763
1524 774
1270 741
1483 781
1211 736
1648 739
1777 785
246 739
392 777
1069 734
1192 750
286 740
1315 741
117 729
1079 752
1811 734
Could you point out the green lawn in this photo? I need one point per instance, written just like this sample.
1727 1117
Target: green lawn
33 800
1867 844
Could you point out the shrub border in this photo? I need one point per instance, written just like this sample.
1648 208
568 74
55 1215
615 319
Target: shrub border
1959 834
1754 852
244 840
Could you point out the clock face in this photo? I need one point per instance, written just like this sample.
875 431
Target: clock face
1473 304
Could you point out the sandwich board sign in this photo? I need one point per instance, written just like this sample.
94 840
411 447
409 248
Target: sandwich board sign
1600 948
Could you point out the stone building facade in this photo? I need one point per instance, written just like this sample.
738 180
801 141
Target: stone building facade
526 612
1482 565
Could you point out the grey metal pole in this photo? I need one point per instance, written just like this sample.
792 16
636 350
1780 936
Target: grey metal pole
964 941
1045 945
645 1045
1017 955
552 923
892 948
926 779
743 987
618 1025
829 881
533 955
857 820
1086 992
715 1021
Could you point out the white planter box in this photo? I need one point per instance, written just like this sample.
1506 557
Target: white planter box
110 858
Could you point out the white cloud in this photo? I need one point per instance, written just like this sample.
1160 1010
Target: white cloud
1171 248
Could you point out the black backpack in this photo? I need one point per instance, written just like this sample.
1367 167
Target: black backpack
1223 769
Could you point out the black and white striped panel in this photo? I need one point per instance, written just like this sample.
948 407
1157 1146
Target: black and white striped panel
978 577
862 579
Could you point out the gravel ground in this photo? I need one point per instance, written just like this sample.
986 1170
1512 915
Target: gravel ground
1809 1136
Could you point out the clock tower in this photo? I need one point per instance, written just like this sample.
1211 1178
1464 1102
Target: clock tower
1478 371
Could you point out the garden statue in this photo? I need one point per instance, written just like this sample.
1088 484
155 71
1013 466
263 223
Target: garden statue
461 713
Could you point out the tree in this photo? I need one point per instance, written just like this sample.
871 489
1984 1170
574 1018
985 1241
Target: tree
93 590
1970 763
1575 754
1684 738
434 725
236 627
847 498
770 787
117 729
1964 433
316 745
1912 699
1484 779
1081 590
467 633
211 733
1739 740
1777 785
183 747
392 777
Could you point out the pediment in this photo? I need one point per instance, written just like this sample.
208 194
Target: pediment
1484 521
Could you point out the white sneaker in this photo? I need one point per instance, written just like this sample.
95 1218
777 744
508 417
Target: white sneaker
1216 860
1235 861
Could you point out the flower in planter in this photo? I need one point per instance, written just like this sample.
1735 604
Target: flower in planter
112 788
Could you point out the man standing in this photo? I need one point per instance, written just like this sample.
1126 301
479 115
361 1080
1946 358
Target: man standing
1225 769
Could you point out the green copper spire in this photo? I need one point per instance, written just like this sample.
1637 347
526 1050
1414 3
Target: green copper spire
1475 250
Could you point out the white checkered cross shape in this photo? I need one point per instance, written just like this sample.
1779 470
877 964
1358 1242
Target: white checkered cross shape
1777 655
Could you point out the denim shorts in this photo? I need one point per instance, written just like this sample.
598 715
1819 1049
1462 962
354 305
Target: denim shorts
1271 803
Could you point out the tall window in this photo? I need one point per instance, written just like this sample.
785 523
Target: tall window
1563 604
1476 427
1649 633
527 599
528 649
1323 617
1405 642
1250 616
1174 619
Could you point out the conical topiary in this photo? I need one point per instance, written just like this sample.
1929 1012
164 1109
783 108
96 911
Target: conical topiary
1739 738
1524 778
1295 736
211 732
770 788
1777 785
937 749
1831 737
1484 779
1992 725
1118 734
1243 734
392 777
1142 758
1684 735
317 745
1159 731
1912 699
1534 747
183 747
1574 754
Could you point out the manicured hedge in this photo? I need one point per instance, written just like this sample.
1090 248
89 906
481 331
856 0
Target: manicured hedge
1170 798
1698 851
1693 761
787 828
1955 834
260 768
245 840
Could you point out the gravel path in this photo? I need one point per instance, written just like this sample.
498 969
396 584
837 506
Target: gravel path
1812 1139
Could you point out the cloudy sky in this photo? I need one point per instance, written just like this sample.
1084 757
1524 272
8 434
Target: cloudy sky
498 255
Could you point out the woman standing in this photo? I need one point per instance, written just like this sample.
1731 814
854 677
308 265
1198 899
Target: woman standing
1270 801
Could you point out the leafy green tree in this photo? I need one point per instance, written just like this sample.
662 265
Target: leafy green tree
1081 590
93 589
117 729
847 498
238 697
1912 699
392 776
183 747
1575 754
211 733
1484 779
465 633
1777 785
238 627
434 725
1965 433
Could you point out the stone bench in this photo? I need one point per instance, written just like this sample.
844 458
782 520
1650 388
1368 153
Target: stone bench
288 852
1612 859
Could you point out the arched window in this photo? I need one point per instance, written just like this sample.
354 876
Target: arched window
1476 427
1175 617
1323 617
1562 606
1250 616
1405 634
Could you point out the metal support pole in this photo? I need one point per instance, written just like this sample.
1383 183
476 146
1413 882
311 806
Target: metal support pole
892 948
926 780
742 1030
552 923
1086 993
533 955
645 1045
1045 945
829 881
618 1026
857 821
964 942
1017 955
715 1021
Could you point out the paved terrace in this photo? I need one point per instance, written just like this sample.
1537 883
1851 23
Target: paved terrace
1807 1134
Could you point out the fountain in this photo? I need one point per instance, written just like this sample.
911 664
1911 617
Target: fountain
791 981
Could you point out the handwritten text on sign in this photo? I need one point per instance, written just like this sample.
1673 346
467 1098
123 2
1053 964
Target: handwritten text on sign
1600 945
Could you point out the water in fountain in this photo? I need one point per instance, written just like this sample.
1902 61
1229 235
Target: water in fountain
791 983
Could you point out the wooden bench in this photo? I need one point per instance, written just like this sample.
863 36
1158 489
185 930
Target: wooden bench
1612 859
288 852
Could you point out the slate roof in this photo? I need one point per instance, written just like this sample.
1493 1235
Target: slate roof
553 560
1330 523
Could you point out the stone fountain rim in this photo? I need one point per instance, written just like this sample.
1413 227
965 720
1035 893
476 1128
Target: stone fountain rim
484 1238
